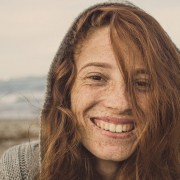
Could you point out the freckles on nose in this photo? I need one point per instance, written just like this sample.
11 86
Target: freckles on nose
117 88
116 96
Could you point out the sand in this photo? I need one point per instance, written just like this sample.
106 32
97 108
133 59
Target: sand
13 132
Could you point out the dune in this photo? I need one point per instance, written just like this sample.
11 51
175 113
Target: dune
14 132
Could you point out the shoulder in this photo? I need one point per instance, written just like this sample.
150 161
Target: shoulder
20 162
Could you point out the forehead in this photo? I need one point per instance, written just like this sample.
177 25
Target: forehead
97 47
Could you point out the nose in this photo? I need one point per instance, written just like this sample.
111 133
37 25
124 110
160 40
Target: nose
116 97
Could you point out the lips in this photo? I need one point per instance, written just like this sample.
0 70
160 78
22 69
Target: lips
114 125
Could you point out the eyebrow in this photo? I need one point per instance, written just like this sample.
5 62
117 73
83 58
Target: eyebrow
96 64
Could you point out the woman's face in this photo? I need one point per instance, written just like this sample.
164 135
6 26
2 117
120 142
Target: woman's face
100 101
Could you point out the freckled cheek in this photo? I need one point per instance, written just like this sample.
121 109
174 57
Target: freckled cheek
84 97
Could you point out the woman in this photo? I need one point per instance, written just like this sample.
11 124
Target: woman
112 102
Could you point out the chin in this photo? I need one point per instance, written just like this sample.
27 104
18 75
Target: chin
114 156
110 152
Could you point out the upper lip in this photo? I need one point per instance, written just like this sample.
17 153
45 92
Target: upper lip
114 120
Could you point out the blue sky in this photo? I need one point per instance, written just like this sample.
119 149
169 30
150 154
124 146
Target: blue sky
31 31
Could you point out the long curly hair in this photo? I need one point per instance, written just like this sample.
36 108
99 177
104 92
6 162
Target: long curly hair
157 154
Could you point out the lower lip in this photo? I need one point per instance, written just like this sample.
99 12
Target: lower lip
124 135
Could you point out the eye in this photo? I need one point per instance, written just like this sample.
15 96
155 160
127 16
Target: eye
142 84
96 78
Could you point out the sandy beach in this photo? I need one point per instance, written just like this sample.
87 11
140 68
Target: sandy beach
13 132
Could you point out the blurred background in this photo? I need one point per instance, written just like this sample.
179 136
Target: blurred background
30 34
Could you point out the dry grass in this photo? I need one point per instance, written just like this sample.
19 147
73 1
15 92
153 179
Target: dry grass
13 132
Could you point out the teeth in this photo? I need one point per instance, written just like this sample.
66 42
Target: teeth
112 128
106 127
97 124
119 128
125 128
102 125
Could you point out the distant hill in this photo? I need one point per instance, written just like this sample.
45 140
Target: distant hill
22 84
22 98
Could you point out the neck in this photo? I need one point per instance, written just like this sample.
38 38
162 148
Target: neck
107 169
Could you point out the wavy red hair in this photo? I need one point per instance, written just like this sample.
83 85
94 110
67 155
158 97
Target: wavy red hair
157 154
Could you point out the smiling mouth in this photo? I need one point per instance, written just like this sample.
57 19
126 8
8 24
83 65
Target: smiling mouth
121 127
